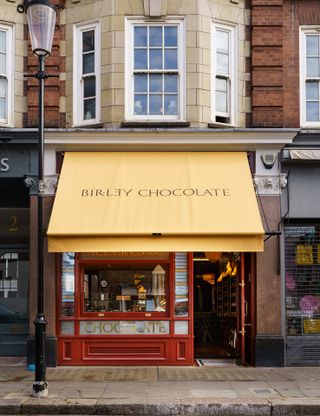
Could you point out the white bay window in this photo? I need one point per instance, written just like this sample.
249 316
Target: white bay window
86 74
223 74
6 75
310 77
155 77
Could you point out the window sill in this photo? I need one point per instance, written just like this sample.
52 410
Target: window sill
155 124
93 125
220 125
307 126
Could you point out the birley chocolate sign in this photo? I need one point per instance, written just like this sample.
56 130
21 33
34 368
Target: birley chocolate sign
158 193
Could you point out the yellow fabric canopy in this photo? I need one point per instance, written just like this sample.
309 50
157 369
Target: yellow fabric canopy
155 201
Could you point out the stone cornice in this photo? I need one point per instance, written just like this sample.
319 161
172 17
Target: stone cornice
191 138
169 139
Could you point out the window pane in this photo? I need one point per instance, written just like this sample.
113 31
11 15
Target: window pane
67 284
67 327
88 41
171 104
181 284
3 112
155 104
222 41
140 104
171 59
140 83
312 111
140 59
155 59
14 290
222 63
3 69
3 88
155 83
312 90
313 67
221 84
2 41
89 87
125 288
313 45
88 63
221 101
155 36
181 327
170 36
302 280
171 83
89 109
140 36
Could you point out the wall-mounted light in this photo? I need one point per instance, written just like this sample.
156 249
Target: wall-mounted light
268 160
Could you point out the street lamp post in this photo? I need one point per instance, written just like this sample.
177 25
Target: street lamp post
41 16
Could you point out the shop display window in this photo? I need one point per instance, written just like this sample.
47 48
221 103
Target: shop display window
67 284
125 288
14 286
181 285
302 279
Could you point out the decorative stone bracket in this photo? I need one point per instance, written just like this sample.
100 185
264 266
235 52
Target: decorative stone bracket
48 187
270 185
154 8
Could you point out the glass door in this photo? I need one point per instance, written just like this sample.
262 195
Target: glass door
14 301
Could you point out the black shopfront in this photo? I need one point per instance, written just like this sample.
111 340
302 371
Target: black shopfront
301 251
17 160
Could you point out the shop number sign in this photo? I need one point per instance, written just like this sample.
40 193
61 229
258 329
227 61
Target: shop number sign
14 221
124 327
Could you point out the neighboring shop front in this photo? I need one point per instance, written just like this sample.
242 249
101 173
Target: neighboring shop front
16 161
301 224
134 232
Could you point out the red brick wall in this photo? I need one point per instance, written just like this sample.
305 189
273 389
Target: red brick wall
54 88
275 59
267 63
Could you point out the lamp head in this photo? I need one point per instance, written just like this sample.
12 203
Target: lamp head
41 15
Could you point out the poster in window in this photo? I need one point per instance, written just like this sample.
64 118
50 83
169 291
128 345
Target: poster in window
304 254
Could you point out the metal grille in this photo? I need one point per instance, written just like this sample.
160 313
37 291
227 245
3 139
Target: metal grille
302 280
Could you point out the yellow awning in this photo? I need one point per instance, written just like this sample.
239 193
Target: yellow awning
155 201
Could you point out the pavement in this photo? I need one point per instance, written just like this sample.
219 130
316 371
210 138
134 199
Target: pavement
162 391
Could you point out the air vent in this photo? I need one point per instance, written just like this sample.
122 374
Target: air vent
311 353
182 350
67 350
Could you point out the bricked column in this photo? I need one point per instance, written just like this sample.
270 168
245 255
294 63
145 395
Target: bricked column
267 63
54 88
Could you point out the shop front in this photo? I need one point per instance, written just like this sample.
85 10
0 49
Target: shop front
15 162
301 224
129 228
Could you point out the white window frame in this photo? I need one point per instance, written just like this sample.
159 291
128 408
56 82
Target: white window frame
78 98
231 114
129 71
304 31
9 76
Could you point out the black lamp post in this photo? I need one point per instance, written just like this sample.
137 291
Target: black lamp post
41 16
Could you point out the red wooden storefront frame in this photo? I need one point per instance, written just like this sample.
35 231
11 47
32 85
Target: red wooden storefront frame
167 349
